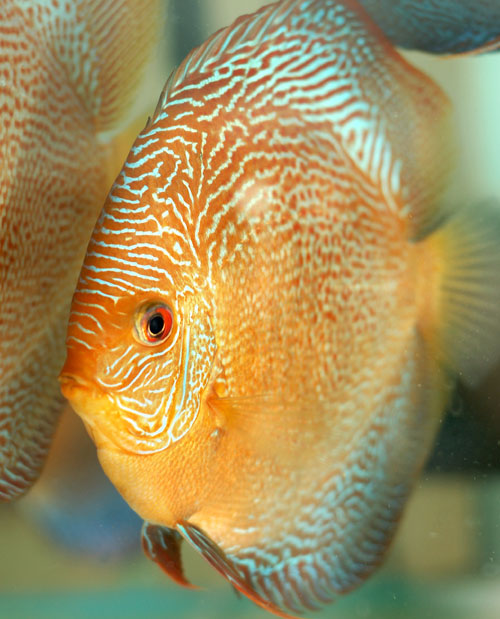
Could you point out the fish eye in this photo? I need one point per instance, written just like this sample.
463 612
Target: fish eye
154 323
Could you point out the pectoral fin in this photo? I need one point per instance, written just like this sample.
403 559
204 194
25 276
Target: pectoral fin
463 323
163 546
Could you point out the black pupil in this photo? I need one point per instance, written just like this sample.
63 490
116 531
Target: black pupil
156 325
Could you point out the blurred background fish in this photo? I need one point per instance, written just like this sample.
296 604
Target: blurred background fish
438 26
69 72
295 164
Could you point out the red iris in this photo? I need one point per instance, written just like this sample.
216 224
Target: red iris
156 324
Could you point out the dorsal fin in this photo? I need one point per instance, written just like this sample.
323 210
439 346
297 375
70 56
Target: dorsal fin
328 65
248 29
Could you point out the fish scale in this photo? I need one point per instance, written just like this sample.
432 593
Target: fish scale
282 197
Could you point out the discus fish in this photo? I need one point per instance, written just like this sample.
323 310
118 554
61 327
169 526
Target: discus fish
272 300
68 71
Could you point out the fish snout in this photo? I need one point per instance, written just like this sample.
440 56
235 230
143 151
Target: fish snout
85 400
71 382
83 395
77 373
75 378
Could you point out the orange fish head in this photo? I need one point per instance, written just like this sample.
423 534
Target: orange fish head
138 361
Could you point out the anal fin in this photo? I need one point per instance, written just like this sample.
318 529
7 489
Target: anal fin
223 564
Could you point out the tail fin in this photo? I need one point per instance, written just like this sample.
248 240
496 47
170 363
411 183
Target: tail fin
467 310
438 26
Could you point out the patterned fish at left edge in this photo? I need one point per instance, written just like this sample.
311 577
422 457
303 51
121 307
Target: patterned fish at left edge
274 301
68 72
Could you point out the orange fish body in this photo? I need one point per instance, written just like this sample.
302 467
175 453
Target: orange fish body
256 342
67 73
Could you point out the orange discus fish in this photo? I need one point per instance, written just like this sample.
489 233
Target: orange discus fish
271 302
68 70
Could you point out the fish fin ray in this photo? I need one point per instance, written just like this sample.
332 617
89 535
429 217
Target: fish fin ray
486 48
467 310
163 546
247 415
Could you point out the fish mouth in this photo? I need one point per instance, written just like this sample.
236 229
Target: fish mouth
69 383
79 393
